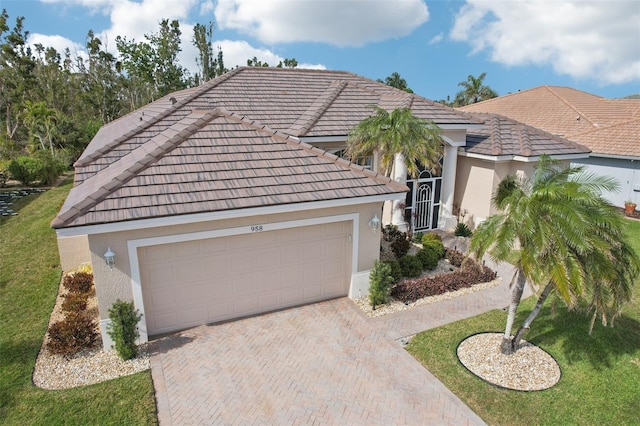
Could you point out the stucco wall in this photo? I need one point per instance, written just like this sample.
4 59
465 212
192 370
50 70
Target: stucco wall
74 251
116 283
475 180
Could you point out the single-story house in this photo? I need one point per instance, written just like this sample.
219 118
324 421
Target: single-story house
610 128
231 199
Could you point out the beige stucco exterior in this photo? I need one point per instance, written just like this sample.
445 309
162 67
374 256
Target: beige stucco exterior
74 251
116 283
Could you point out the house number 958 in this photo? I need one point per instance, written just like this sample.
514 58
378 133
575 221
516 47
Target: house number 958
257 228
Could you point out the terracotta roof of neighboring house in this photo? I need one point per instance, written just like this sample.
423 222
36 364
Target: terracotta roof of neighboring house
234 143
606 126
502 136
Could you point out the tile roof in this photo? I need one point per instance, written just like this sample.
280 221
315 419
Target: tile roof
502 136
606 126
213 160
232 143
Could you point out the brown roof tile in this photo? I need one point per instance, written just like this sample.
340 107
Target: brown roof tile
606 126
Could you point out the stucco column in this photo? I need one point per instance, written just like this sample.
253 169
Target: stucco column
447 219
399 175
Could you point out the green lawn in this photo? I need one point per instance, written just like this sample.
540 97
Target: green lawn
600 382
29 277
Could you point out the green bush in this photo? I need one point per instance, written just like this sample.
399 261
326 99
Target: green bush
80 282
430 236
74 333
25 169
434 244
462 230
123 328
50 168
411 266
417 237
380 281
4 172
428 257
396 270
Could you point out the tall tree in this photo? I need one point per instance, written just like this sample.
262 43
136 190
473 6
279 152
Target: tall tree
473 90
41 122
397 132
562 236
202 40
395 80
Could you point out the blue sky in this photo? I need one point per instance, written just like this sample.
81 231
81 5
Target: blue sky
588 45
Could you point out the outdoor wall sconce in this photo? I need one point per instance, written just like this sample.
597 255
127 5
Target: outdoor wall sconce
110 258
374 224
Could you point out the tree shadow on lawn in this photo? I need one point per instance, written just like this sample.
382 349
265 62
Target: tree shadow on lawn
569 331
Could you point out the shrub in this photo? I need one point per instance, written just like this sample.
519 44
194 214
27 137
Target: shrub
75 302
391 233
434 244
417 237
411 290
462 230
72 334
396 270
428 257
4 172
380 281
454 257
430 236
50 168
401 247
80 282
25 169
411 266
123 328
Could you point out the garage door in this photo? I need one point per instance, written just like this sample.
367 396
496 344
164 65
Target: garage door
204 281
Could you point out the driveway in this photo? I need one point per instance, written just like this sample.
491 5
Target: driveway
324 363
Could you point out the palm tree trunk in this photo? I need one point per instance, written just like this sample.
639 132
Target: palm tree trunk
516 295
534 313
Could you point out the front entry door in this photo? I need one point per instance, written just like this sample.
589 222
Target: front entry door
422 209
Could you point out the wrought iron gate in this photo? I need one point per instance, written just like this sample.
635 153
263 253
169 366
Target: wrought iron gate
422 207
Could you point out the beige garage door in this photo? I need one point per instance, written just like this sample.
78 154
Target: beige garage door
199 282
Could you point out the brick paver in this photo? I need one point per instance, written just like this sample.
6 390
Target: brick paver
325 363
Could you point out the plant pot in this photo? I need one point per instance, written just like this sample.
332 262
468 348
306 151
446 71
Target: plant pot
629 208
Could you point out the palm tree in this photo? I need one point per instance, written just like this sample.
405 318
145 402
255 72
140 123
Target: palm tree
562 235
473 91
397 132
41 122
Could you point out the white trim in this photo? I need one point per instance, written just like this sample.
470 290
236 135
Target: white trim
616 157
469 126
134 245
221 215
320 139
451 142
520 158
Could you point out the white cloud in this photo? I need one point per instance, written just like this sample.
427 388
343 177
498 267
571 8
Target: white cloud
338 22
57 42
236 52
436 39
584 39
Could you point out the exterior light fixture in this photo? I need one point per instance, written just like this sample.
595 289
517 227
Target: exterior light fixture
374 224
110 258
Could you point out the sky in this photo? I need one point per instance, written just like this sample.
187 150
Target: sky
592 46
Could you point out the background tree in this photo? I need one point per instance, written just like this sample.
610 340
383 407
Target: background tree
395 80
562 236
473 90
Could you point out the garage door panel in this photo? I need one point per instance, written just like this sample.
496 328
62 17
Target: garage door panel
228 277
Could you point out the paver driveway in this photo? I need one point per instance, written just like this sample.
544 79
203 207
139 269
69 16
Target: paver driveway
317 364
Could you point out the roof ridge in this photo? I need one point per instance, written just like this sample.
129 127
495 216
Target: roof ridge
606 126
525 142
317 108
496 138
148 123
123 170
570 105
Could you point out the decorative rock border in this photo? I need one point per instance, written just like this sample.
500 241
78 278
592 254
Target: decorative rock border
528 369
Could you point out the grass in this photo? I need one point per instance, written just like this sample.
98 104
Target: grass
29 279
600 373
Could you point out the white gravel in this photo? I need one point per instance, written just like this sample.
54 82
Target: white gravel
528 369
87 367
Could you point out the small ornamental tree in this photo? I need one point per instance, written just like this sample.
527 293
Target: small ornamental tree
380 281
123 328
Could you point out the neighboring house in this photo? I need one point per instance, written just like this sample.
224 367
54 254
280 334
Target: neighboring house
225 200
609 127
